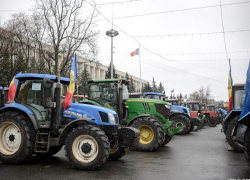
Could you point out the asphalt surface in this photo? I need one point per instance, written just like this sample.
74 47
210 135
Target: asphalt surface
198 155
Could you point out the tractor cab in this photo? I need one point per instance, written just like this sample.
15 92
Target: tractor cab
194 107
212 111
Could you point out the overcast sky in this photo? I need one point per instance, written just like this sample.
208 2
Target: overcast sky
174 47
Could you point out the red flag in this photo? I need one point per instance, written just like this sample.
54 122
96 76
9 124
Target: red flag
71 89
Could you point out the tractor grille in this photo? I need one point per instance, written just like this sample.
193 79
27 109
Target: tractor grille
161 109
104 116
116 119
146 106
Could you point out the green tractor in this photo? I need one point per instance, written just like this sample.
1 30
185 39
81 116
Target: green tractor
150 116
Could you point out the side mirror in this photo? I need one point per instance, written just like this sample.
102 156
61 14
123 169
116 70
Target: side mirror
47 83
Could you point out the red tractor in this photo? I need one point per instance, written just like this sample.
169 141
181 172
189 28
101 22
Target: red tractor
197 122
210 113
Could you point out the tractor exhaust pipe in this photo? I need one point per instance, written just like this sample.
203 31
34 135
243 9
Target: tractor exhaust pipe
2 97
58 108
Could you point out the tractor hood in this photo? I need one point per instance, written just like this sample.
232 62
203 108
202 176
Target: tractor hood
148 101
96 114
180 109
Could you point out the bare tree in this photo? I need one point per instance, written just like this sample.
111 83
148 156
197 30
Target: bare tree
63 26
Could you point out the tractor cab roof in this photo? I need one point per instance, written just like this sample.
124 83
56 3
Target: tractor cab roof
239 84
40 76
108 81
153 93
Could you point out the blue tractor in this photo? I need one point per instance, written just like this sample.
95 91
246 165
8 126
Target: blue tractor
180 116
230 122
35 123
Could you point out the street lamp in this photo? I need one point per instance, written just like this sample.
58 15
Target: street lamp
112 33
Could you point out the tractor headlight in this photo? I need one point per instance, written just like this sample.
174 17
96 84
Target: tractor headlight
168 106
112 118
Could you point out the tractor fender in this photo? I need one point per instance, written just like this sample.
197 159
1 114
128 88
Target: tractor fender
22 109
141 115
241 128
68 128
231 115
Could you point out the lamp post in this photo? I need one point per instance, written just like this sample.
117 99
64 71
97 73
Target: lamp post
112 33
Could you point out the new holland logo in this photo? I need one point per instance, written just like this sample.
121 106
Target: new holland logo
75 114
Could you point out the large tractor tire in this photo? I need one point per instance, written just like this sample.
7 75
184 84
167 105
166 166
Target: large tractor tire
212 122
229 134
197 124
247 146
87 147
117 152
152 134
180 120
191 126
17 138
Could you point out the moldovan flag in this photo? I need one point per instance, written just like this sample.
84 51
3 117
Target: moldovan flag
71 89
230 83
12 88
136 52
246 104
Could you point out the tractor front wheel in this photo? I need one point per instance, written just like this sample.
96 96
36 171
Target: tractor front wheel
212 122
152 133
17 138
87 147
229 134
117 152
180 120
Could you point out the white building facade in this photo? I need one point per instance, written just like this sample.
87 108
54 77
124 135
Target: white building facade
98 71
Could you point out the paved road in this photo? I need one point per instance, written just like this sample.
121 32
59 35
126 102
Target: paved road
198 155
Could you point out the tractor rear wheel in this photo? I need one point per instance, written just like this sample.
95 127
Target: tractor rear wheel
212 122
152 133
229 134
17 138
87 147
247 146
117 152
180 120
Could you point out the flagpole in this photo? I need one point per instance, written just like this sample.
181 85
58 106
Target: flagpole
140 68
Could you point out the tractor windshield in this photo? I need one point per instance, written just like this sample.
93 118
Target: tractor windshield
36 97
194 107
183 104
211 108
239 99
103 94
202 107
